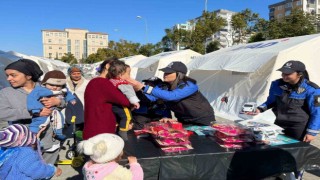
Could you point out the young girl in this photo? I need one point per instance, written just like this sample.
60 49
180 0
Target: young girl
105 151
19 158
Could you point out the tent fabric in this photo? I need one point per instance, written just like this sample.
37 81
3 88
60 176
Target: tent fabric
131 61
150 66
244 73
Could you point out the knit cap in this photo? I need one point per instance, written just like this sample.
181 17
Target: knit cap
54 77
102 148
17 135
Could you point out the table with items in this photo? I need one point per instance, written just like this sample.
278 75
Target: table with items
252 150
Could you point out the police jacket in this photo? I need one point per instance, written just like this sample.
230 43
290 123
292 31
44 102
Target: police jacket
187 103
297 104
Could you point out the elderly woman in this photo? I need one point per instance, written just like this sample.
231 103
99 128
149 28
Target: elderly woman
23 76
182 95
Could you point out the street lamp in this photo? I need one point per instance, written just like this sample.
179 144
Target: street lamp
146 23
205 5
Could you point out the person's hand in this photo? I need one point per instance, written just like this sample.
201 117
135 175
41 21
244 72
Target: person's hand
253 113
136 105
136 84
165 120
40 131
132 159
50 102
308 138
130 126
45 112
58 172
73 102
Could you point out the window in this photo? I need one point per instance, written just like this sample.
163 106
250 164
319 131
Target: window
104 37
60 47
93 36
93 49
49 41
47 34
56 34
101 43
279 16
60 34
60 41
60 54
89 36
93 42
51 34
77 42
100 37
50 47
288 5
64 34
69 45
50 55
85 49
287 13
279 7
299 3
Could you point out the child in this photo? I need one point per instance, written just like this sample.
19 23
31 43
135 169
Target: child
19 158
117 73
105 151
53 84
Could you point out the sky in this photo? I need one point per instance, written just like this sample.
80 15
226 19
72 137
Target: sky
23 20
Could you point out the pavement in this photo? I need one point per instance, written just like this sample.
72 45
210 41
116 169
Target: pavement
70 173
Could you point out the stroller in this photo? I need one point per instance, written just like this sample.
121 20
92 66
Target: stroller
73 157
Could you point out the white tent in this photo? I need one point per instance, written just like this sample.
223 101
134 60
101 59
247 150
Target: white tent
150 66
5 59
244 73
131 61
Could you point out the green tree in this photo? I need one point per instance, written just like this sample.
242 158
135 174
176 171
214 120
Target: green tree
213 46
243 25
175 38
69 58
150 49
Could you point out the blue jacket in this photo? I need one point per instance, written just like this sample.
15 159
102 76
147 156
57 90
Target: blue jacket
23 163
187 103
35 106
302 104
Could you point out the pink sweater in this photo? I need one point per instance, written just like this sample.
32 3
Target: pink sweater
112 171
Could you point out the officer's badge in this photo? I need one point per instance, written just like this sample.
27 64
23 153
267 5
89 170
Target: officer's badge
301 90
317 100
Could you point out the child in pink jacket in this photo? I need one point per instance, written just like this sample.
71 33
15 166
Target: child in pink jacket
105 151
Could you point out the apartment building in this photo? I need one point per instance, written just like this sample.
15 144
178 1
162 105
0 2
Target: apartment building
284 8
79 42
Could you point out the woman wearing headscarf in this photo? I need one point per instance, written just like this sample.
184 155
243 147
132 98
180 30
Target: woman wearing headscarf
182 96
77 84
23 76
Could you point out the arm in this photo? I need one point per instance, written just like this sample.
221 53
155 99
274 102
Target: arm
129 92
32 166
9 113
174 95
314 108
271 100
33 103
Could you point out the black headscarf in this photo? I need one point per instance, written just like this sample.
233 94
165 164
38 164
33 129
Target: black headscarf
27 67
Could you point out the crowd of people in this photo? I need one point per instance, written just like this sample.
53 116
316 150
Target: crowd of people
33 113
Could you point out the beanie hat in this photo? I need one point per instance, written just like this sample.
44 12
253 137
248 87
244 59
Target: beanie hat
17 135
54 77
74 68
102 148
27 67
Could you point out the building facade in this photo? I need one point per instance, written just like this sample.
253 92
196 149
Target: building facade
79 42
284 8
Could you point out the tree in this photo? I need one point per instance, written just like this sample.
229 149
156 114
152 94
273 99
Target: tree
69 58
243 24
150 49
213 46
175 38
208 24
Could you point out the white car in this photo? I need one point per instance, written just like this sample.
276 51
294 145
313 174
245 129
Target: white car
249 107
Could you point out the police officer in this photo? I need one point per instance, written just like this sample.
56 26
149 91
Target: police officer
182 96
295 101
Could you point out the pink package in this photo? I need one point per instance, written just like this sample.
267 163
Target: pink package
176 149
172 142
234 139
231 129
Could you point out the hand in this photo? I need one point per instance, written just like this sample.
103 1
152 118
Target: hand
50 102
45 112
253 113
40 131
136 106
73 102
308 138
58 172
136 84
132 159
130 126
165 120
